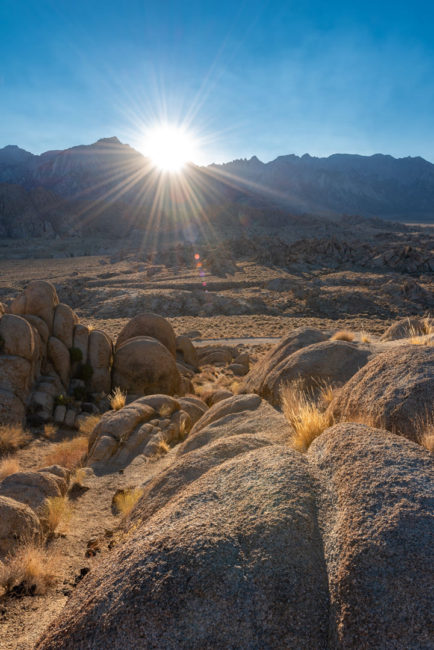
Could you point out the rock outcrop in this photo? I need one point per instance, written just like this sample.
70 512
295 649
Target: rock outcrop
137 429
394 390
331 362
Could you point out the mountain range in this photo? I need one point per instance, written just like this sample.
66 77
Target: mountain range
109 188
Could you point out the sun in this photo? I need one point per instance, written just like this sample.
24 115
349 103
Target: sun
169 147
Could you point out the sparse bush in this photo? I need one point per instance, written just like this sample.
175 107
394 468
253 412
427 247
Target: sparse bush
125 500
56 510
75 354
62 400
343 335
418 336
304 414
69 453
12 437
32 570
117 399
8 466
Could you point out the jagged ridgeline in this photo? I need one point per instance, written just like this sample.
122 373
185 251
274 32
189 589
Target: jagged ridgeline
108 188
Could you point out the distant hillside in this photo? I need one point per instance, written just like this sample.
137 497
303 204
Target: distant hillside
374 186
110 189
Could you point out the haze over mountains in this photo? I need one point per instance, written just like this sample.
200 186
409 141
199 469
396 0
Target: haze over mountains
110 188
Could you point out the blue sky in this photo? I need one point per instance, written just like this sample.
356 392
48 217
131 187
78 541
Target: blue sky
264 78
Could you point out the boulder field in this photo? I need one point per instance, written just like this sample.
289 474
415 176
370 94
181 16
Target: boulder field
237 540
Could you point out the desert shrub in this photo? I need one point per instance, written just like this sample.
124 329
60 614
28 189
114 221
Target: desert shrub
68 453
343 335
418 336
85 372
55 511
62 400
79 393
75 354
12 437
365 338
125 500
32 570
8 466
304 414
117 399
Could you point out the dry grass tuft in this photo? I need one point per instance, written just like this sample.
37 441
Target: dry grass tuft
12 437
78 476
425 431
365 338
50 430
125 501
343 335
87 425
117 399
32 568
69 453
304 414
418 336
8 466
55 511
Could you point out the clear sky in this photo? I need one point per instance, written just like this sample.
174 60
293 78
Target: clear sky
264 78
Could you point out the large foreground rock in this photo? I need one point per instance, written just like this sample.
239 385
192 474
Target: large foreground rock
297 339
394 390
331 362
18 523
17 337
144 366
233 561
151 325
377 516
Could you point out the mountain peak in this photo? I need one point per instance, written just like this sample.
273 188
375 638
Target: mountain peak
112 140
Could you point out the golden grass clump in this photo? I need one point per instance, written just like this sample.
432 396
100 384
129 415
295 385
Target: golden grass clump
88 424
125 500
12 437
418 336
8 466
50 430
69 453
343 335
55 511
365 338
32 567
304 414
117 399
425 431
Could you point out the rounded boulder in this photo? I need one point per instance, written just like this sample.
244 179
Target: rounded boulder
149 325
144 366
